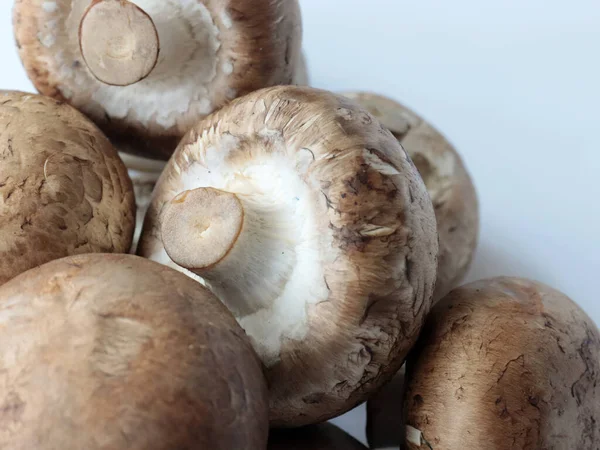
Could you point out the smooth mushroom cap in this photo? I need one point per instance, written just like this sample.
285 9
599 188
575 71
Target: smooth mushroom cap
118 352
332 273
385 424
448 183
144 174
324 436
505 363
63 188
208 52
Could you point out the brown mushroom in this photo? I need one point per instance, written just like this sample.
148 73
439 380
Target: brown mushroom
324 436
505 363
148 70
118 352
63 188
448 183
308 220
457 213
144 174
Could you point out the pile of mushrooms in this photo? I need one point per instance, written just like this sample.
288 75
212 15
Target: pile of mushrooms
197 250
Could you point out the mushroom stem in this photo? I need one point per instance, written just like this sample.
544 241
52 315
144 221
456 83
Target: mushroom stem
201 226
119 42
242 246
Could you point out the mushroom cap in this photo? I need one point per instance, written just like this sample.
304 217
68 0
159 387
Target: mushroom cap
325 436
385 425
345 267
63 188
505 363
118 352
448 183
210 52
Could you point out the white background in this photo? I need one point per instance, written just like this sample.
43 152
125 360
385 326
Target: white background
514 84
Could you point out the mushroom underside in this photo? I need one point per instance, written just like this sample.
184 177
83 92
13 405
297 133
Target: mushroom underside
144 174
330 261
274 266
174 64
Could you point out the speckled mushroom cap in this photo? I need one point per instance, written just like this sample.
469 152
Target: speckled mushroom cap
308 220
118 352
505 363
448 183
63 188
210 51
324 436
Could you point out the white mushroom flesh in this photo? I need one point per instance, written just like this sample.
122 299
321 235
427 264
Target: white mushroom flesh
189 40
264 278
340 229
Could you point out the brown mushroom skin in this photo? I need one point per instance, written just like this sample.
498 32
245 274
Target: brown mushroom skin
448 182
325 436
457 214
264 49
371 210
118 352
63 188
505 363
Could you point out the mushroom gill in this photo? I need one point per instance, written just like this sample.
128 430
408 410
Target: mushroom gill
309 221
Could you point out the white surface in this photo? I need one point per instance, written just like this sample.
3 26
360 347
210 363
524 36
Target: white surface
513 84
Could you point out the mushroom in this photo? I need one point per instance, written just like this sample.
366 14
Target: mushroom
118 352
324 436
63 188
148 70
385 425
144 173
308 220
457 213
505 363
448 183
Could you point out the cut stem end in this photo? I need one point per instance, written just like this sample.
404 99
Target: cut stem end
200 227
118 41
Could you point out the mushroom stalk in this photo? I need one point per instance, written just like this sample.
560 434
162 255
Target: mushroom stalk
147 70
311 224
144 174
229 240
123 42
119 42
